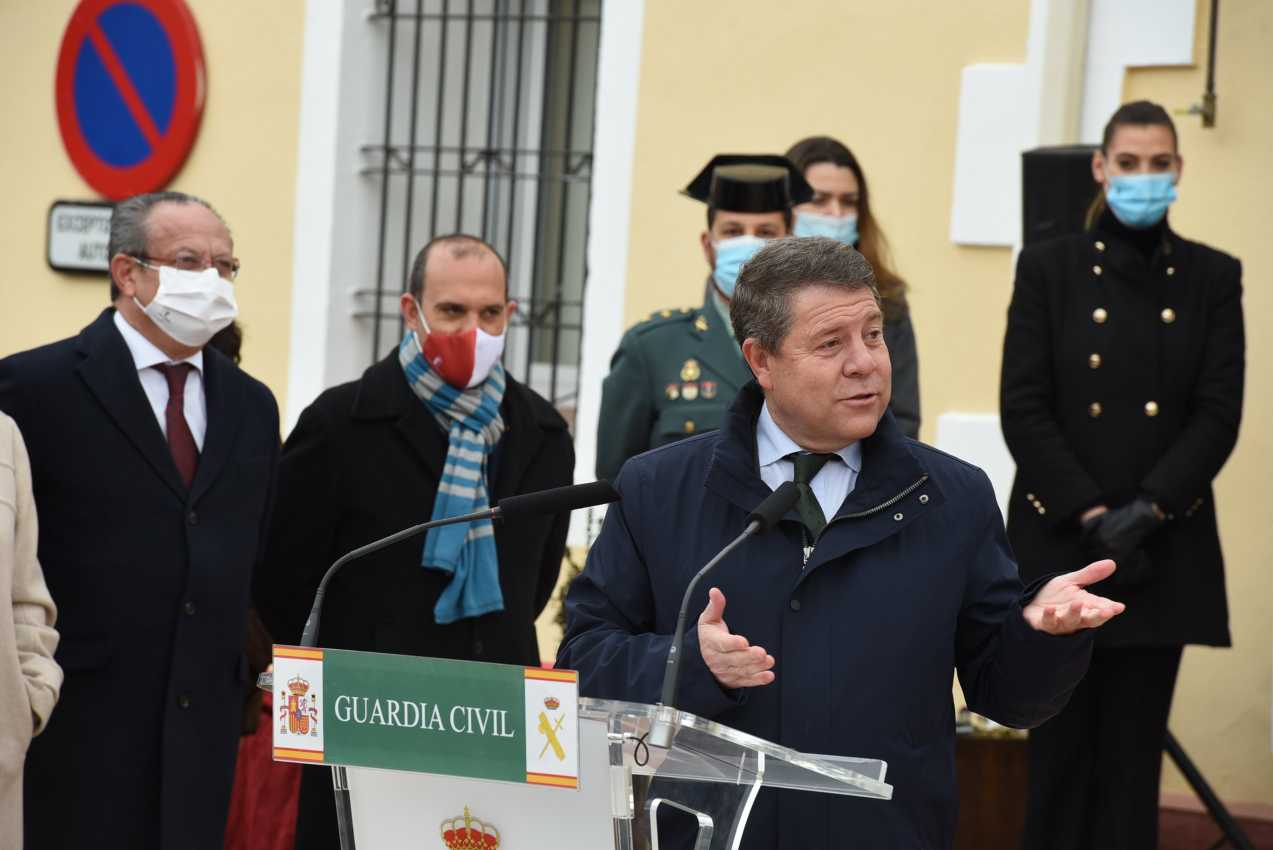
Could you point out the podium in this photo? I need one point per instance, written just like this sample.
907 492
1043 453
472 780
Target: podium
473 756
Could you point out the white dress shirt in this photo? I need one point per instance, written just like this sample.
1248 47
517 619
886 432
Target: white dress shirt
146 356
833 483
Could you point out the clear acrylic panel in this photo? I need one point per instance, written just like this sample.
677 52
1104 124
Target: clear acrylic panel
697 793
705 751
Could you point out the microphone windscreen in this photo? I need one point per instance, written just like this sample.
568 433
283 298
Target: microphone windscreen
775 505
558 500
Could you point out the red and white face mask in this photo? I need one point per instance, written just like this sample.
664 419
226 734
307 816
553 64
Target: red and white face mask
463 360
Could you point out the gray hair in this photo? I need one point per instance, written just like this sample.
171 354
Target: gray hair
461 245
761 306
129 234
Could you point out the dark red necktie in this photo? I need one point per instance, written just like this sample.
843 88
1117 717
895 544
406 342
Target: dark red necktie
180 441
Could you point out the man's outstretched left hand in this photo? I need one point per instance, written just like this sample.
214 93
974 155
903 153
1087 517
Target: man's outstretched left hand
1063 605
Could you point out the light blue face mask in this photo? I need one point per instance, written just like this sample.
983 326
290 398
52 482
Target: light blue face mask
1141 200
840 228
730 256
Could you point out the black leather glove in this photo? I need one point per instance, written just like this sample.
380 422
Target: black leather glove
1119 534
1126 528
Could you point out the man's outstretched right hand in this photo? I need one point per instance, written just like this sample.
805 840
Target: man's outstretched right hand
733 661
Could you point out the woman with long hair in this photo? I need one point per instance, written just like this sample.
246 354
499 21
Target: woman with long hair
841 209
1120 399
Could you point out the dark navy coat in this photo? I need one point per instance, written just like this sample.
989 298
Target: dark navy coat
152 583
911 580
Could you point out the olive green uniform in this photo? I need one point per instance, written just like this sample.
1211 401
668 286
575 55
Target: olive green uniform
673 376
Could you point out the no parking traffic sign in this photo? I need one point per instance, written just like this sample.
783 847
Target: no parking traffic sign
130 91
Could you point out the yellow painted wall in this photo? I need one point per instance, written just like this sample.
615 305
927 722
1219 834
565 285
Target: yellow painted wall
884 77
243 162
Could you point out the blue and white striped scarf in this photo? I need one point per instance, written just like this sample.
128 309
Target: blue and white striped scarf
465 550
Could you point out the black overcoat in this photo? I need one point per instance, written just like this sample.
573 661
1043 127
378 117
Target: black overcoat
1122 375
911 579
363 462
152 583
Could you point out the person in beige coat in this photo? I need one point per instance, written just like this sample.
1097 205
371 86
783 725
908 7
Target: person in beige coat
29 677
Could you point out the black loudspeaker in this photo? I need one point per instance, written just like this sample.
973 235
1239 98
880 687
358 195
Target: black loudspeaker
1057 188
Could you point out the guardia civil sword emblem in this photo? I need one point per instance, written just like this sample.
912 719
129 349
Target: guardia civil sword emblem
549 730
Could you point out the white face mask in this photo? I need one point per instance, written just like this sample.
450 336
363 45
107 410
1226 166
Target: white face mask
463 360
191 306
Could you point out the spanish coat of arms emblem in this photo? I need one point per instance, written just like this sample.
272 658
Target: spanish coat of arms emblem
298 709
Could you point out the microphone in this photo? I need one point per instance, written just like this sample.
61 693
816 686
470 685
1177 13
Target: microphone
556 500
766 515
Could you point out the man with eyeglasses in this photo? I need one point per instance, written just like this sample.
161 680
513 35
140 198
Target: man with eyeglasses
153 458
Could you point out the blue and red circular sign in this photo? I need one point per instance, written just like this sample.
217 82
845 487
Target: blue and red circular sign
130 91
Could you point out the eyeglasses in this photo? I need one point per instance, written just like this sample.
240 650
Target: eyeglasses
227 268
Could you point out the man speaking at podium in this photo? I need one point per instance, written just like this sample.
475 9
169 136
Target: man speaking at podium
837 631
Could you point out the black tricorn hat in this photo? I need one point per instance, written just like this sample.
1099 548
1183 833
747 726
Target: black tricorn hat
750 183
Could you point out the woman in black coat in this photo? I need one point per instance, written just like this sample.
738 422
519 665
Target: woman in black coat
1120 400
841 210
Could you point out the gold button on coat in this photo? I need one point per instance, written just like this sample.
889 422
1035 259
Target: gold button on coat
1096 270
1094 360
689 426
1100 246
1094 409
1099 315
1168 315
1151 408
1171 270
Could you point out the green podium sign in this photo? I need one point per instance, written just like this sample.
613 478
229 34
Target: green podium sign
428 715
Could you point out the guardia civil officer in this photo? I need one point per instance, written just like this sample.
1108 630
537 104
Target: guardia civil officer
676 373
1121 396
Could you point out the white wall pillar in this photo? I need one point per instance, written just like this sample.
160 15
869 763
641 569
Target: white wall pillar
609 222
312 233
1005 109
